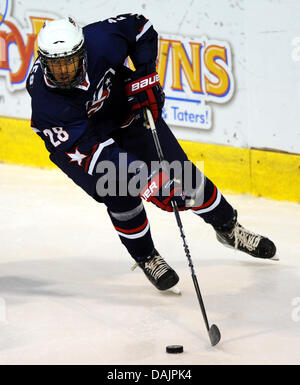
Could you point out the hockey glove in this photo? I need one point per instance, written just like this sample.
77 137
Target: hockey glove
145 92
160 190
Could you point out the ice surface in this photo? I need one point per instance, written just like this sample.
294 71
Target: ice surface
68 296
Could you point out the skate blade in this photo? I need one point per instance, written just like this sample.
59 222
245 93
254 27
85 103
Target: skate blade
175 290
274 258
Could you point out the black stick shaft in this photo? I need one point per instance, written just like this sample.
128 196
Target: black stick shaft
187 252
213 332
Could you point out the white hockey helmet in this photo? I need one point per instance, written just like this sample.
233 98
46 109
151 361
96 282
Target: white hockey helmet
60 42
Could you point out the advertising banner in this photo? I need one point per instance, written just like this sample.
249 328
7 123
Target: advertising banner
221 66
193 71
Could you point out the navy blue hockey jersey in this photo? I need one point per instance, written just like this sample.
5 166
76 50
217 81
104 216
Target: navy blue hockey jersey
99 105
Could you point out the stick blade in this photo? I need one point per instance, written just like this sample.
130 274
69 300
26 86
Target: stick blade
214 335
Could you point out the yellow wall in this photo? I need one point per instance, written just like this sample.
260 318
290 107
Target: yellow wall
19 144
268 174
261 173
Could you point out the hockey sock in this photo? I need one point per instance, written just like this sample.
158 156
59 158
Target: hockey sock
133 229
215 209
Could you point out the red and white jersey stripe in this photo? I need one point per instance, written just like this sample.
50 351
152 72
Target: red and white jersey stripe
96 154
144 29
138 232
211 204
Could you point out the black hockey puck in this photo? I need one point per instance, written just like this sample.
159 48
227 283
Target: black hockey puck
174 349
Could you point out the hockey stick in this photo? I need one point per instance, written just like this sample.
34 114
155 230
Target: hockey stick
213 330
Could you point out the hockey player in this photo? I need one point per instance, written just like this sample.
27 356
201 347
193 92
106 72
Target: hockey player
88 108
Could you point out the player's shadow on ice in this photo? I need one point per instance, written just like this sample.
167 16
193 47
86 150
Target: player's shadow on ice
18 285
92 278
253 296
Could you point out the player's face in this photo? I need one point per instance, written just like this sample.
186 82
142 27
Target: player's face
64 69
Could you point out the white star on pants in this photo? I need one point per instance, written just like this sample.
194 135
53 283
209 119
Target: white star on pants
76 156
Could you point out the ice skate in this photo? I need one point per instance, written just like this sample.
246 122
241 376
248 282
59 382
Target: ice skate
159 273
236 236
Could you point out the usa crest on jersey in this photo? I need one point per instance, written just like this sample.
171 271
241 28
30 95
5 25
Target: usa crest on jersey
102 92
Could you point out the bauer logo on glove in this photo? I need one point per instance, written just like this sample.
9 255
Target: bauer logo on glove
145 92
160 190
141 84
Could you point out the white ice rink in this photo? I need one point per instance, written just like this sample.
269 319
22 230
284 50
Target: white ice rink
68 296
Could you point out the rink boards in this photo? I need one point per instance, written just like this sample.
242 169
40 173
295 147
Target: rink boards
268 174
